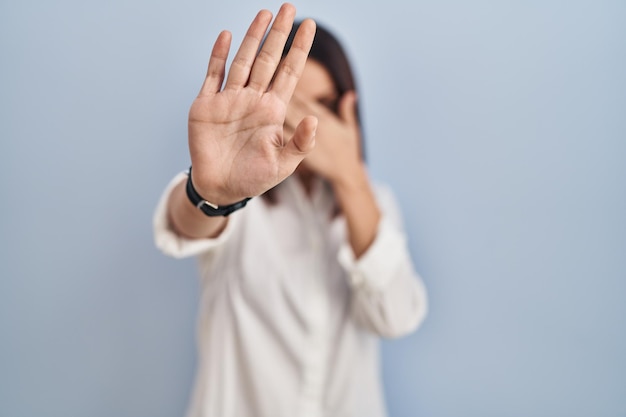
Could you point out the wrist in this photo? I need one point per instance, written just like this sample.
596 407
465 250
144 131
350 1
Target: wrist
210 207
352 179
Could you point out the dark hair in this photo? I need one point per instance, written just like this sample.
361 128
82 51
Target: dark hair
327 51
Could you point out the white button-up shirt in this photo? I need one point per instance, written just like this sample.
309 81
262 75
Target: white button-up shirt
289 321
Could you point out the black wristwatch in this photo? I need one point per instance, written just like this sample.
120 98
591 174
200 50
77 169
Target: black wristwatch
208 208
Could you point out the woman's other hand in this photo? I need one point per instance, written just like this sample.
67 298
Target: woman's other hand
337 153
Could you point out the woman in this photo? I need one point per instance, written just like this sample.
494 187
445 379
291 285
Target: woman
299 284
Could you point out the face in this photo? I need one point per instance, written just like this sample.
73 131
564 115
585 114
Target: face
316 84
338 139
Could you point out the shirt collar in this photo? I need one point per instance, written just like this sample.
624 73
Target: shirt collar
320 203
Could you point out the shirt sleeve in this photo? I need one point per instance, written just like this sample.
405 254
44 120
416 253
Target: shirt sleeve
174 245
389 297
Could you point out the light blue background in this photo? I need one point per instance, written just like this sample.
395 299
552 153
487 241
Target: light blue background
501 125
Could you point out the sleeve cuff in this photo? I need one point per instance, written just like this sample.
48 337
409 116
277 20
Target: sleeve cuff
375 268
172 244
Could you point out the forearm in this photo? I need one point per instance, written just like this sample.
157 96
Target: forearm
356 198
393 304
389 297
187 220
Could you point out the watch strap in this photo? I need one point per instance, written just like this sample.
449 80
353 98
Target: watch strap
210 209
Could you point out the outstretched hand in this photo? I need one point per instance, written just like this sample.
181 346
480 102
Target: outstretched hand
236 137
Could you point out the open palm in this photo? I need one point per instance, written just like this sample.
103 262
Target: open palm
236 137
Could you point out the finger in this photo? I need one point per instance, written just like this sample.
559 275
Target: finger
242 63
269 57
311 106
291 67
217 64
347 108
298 101
301 143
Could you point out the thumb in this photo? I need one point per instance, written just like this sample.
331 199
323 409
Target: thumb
347 107
303 140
